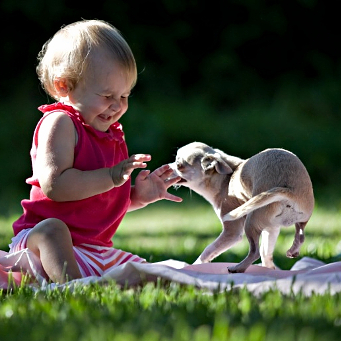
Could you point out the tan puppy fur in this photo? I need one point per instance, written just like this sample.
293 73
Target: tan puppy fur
258 195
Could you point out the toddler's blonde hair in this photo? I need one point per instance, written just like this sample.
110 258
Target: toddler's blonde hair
68 54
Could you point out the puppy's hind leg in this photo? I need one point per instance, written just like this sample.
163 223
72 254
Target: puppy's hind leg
267 246
294 251
232 233
252 232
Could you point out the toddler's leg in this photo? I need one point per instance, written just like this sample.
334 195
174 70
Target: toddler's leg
51 241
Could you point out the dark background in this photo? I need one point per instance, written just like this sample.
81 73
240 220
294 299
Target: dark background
241 76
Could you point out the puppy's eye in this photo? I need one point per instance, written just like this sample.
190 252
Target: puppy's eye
179 165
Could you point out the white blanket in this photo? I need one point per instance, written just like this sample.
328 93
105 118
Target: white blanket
307 276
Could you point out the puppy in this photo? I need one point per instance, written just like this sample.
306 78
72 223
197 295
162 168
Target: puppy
256 196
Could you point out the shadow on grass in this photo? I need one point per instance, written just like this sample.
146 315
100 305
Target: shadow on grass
280 260
165 234
189 257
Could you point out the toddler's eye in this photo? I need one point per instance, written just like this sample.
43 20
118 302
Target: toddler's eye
104 96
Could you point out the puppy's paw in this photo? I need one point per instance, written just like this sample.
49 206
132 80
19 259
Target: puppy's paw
234 269
292 254
230 270
269 265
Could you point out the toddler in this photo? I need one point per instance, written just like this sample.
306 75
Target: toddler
81 187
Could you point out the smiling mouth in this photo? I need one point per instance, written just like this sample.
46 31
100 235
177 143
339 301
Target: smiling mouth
106 118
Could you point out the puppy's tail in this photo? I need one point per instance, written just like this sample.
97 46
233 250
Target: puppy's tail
263 199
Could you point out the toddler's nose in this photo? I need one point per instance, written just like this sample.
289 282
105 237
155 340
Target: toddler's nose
115 106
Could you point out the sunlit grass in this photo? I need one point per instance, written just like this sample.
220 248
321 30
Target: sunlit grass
171 312
166 312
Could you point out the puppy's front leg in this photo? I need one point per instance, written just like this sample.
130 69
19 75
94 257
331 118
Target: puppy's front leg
232 233
252 233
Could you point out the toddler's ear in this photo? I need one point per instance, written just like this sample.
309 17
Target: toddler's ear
61 87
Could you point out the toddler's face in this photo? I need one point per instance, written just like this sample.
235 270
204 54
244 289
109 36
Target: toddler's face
102 98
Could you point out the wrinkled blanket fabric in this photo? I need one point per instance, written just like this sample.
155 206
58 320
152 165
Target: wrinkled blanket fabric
307 276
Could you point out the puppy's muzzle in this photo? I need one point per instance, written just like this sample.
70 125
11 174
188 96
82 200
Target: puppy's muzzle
176 167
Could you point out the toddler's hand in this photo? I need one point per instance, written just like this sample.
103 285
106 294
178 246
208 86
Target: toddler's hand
151 187
122 171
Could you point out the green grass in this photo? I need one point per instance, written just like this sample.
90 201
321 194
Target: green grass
165 311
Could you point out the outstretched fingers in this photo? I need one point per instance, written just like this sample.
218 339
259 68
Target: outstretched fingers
151 187
121 172
165 173
136 161
172 197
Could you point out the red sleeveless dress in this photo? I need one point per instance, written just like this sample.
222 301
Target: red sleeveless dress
93 220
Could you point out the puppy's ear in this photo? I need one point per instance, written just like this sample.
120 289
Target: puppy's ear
232 161
214 161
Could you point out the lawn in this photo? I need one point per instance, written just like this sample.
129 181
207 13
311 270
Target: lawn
165 311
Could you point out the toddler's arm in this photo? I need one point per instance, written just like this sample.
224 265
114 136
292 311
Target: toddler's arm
151 187
54 164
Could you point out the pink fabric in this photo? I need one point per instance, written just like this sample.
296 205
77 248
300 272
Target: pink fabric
99 260
92 260
307 277
14 265
93 220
